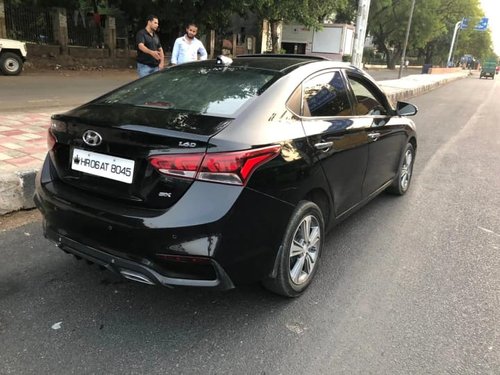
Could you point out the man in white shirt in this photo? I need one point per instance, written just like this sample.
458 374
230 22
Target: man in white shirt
187 47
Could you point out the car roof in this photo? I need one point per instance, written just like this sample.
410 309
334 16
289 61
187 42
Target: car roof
282 63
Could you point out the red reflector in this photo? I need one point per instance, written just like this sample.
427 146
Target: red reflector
184 259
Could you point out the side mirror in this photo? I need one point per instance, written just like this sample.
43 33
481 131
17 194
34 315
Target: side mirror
406 109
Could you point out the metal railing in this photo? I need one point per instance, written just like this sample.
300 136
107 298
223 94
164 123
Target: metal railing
29 24
84 29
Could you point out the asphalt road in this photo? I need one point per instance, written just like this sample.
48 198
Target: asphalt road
408 285
51 90
37 91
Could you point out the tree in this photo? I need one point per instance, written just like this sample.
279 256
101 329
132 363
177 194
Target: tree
388 20
346 11
310 13
431 31
450 12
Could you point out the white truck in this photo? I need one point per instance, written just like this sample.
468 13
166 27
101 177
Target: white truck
12 56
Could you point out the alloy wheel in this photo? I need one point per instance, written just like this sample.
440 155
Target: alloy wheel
304 250
406 170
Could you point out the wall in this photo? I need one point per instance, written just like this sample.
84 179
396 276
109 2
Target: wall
54 56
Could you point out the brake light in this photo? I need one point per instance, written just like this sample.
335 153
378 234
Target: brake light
234 167
51 140
226 167
183 165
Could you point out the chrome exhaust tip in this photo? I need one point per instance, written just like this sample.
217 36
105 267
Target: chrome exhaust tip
136 276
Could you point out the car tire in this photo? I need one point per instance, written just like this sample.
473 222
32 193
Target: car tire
402 182
300 251
11 64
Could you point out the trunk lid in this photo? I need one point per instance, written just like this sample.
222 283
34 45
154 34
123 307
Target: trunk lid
105 149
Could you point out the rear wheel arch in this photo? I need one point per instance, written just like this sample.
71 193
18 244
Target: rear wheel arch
299 254
320 198
413 142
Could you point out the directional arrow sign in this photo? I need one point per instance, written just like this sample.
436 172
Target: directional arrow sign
482 25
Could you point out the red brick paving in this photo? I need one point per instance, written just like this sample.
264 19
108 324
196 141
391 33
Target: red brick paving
23 140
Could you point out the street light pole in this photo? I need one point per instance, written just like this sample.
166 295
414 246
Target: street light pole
457 25
359 39
403 55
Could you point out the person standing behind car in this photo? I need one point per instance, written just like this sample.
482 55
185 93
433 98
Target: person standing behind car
187 47
150 57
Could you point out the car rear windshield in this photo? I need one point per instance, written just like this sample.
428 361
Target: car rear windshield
210 90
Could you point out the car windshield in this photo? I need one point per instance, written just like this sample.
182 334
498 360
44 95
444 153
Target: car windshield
210 90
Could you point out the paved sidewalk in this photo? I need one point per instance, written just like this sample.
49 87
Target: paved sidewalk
23 139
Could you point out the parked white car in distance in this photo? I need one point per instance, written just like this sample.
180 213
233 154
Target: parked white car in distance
12 56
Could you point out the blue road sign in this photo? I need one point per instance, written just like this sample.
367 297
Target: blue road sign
482 24
464 24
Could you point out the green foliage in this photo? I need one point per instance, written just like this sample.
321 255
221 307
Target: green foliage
307 12
431 29
310 13
388 21
346 11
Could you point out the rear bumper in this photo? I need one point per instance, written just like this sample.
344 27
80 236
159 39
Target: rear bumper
236 232
134 270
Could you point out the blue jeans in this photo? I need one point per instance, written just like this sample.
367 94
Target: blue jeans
144 70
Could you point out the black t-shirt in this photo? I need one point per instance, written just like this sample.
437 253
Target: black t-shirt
151 42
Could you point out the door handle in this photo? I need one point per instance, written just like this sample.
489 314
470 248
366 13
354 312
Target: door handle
374 136
324 146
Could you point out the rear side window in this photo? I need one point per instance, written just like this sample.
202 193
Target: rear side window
217 91
326 95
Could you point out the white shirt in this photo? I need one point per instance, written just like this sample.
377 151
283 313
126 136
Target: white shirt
185 52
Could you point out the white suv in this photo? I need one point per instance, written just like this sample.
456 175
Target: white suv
12 56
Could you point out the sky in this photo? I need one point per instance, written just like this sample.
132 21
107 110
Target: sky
492 12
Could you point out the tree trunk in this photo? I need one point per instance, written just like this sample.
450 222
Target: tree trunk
429 50
389 58
391 64
276 45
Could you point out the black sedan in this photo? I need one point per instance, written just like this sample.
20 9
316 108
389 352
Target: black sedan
222 172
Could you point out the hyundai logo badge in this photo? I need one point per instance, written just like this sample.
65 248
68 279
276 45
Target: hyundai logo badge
92 138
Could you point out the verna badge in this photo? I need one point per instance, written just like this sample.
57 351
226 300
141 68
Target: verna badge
92 138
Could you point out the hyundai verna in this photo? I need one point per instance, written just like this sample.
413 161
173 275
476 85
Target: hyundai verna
222 172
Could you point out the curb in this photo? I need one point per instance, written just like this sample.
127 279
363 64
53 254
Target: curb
396 93
17 189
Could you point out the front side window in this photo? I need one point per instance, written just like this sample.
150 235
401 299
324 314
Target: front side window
218 91
366 101
326 95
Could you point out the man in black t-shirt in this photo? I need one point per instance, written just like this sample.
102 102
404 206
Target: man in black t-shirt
150 56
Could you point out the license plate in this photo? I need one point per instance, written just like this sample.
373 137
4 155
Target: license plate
102 165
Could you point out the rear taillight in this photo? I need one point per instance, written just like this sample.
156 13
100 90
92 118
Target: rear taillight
183 165
51 140
226 167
